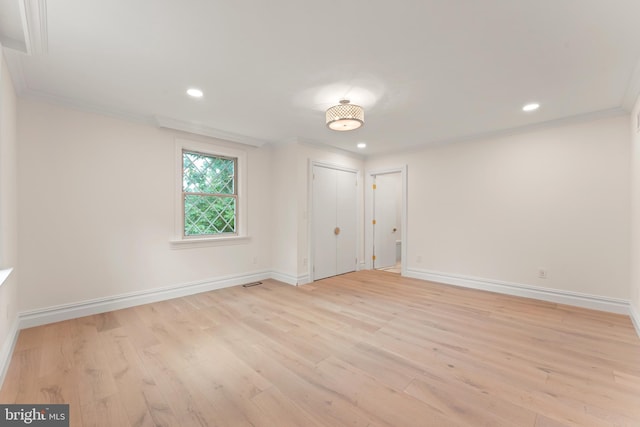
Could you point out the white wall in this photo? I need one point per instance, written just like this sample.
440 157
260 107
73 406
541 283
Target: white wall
502 208
96 204
635 214
8 214
285 213
96 208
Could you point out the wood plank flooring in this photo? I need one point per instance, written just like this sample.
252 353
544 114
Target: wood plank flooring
363 349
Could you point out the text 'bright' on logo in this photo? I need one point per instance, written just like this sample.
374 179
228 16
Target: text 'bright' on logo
36 415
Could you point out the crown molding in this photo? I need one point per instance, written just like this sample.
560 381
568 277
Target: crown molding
580 118
158 121
200 129
327 147
85 106
34 23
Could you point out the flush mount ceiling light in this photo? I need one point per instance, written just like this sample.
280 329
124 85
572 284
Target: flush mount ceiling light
345 116
195 93
361 145
531 107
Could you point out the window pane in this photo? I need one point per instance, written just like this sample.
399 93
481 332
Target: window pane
209 215
207 174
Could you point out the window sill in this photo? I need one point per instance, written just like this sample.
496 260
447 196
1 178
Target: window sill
205 242
4 274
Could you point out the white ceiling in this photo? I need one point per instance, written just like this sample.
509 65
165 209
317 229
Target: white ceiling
426 71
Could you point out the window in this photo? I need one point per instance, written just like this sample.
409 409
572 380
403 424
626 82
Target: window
209 194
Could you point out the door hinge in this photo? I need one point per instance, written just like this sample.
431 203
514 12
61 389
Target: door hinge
374 186
373 257
373 222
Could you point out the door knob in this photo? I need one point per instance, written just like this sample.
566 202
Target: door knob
336 231
394 230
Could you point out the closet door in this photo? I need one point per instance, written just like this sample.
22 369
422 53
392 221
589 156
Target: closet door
333 221
346 221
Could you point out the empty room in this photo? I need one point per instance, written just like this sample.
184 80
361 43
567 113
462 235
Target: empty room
364 213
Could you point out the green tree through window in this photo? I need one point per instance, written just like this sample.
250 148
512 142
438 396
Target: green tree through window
209 191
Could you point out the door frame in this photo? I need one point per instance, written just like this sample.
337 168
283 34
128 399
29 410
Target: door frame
369 210
310 223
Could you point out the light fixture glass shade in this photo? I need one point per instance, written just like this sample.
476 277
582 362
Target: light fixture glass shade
345 116
531 107
195 92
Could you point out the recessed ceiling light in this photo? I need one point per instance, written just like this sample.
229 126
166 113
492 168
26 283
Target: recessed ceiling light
195 93
361 145
531 107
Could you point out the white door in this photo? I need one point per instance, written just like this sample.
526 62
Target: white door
387 198
334 221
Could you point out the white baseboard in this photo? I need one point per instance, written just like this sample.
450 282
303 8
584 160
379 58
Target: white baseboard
43 316
595 302
635 317
304 279
284 278
7 350
290 279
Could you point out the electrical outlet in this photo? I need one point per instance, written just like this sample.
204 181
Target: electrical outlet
305 262
542 273
419 259
255 259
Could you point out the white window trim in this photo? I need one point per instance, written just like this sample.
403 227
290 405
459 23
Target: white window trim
4 275
179 241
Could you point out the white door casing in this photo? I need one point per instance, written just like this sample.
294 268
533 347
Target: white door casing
369 239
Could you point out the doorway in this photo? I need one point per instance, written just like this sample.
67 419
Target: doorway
334 221
387 229
386 219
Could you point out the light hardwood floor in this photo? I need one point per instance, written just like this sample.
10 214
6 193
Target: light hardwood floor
363 349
